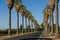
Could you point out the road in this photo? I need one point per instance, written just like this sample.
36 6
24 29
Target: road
32 36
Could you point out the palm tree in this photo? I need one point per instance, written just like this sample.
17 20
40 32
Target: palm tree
32 20
17 7
49 23
10 4
46 14
57 22
25 24
49 17
22 10
29 15
35 23
51 4
28 24
22 23
26 15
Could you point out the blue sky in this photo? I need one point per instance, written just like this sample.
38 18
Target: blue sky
35 6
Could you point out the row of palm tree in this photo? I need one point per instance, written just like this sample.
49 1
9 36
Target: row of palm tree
20 8
48 14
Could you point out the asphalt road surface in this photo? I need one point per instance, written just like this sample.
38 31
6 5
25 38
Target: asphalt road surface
32 36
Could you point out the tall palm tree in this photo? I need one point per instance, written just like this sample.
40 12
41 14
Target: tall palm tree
48 13
17 7
51 4
10 4
57 21
29 15
26 15
32 20
49 23
35 23
25 24
22 23
17 20
28 24
22 10
49 17
45 19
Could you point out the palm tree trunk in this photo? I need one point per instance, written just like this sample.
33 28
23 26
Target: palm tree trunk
22 23
45 25
17 23
31 26
9 31
28 26
49 23
34 27
52 23
57 22
25 24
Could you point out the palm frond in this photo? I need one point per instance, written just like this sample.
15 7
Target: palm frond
18 1
46 8
22 7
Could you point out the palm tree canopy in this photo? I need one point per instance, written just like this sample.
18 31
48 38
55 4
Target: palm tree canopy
17 4
51 3
29 14
17 7
22 9
18 1
26 13
10 3
35 21
47 9
32 18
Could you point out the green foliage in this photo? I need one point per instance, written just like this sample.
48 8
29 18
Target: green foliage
46 8
18 1
3 32
42 27
22 7
13 31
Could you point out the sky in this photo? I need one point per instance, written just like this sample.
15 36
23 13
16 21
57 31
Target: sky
35 6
